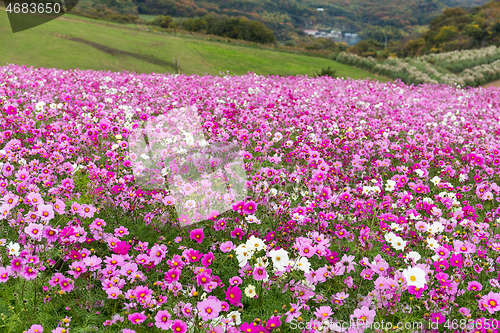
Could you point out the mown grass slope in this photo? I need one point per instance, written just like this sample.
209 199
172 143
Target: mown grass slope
76 42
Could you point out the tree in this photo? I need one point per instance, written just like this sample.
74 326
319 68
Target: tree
445 34
474 31
164 21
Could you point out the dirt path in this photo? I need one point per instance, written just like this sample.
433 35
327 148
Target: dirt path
491 84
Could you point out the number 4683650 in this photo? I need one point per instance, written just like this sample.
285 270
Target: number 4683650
33 8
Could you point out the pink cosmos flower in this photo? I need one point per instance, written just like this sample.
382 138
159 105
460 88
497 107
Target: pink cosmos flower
4 274
162 320
29 273
137 318
50 234
346 263
293 312
462 247
142 292
227 247
45 212
193 255
207 259
66 285
113 292
184 220
209 309
474 285
235 281
363 316
323 312
456 260
35 231
259 273
87 211
77 269
273 322
158 253
464 311
16 265
121 231
490 302
76 208
172 275
34 199
306 250
35 329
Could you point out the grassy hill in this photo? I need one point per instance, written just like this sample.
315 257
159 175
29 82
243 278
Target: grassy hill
285 16
76 42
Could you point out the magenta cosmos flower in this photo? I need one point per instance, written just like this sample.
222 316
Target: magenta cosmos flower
122 247
250 207
438 318
137 318
178 326
233 295
197 235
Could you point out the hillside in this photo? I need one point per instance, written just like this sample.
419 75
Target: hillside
75 42
455 29
284 17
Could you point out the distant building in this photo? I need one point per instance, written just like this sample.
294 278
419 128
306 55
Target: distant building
311 32
335 33
320 9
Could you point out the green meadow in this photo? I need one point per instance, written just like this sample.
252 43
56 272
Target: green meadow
76 42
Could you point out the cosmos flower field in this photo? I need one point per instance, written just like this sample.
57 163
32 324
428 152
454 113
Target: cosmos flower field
368 207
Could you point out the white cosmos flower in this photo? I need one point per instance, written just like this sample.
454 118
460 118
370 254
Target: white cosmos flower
395 226
250 291
414 277
391 185
398 243
252 219
14 249
255 244
235 316
433 243
303 264
435 180
279 258
389 237
190 204
419 172
414 255
261 263
435 228
243 257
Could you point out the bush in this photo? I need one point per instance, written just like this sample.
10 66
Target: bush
327 72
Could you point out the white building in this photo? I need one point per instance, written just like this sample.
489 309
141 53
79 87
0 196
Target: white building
335 33
320 9
311 32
